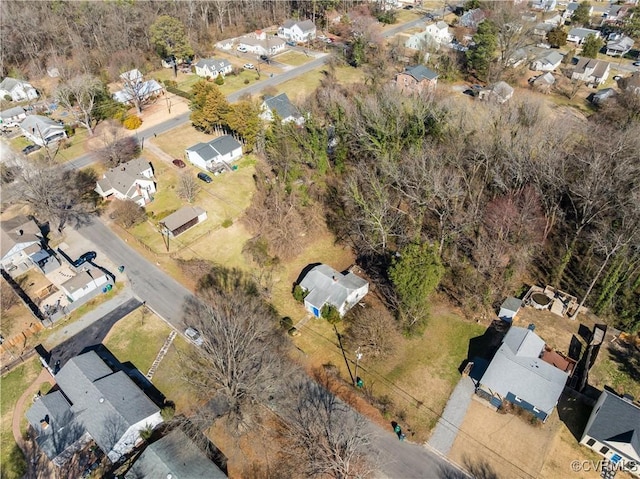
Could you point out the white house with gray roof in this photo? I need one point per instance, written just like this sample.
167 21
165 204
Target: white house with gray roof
91 402
12 116
42 130
18 90
261 44
87 281
548 62
618 45
297 30
281 107
579 35
20 240
613 430
206 156
212 67
324 285
174 456
520 374
128 181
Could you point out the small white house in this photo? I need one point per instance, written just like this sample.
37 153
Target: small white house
261 46
439 31
42 130
83 283
571 9
297 30
131 76
142 91
579 35
129 181
225 44
618 45
224 149
12 116
324 285
509 308
212 67
18 90
281 107
548 62
591 71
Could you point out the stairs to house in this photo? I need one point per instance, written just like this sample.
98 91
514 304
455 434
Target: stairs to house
161 354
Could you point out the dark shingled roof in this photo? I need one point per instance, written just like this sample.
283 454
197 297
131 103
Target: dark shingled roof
219 146
282 106
420 72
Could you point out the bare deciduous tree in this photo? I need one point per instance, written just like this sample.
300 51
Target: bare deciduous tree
188 187
117 147
374 331
128 213
78 95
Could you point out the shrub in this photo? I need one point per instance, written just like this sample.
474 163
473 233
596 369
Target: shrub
219 80
246 81
227 222
299 294
331 314
132 122
171 83
168 411
285 323
69 130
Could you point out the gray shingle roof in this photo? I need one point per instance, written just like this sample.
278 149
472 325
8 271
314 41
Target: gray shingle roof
518 369
40 125
326 285
182 217
18 230
9 83
616 423
282 106
122 178
175 455
81 279
305 25
222 145
511 304
420 72
215 63
11 112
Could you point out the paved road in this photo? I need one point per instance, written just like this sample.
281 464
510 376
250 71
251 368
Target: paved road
91 335
162 294
454 412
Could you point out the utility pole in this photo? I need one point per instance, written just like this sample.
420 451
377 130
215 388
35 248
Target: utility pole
358 358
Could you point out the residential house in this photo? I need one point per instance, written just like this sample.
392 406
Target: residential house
618 45
212 67
326 286
548 62
87 283
225 44
616 13
416 79
21 239
544 5
555 20
419 40
543 82
631 83
523 373
42 130
602 96
141 90
500 92
579 35
267 45
91 401
280 106
132 76
12 116
613 430
591 71
439 31
571 9
542 29
182 220
472 18
128 181
509 308
208 156
18 90
174 456
518 57
297 30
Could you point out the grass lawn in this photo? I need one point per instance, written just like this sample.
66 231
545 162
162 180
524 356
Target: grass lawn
293 58
406 16
19 142
137 338
301 87
12 385
77 146
174 142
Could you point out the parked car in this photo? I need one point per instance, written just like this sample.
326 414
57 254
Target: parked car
248 66
204 177
291 44
27 150
193 335
264 58
242 49
179 163
327 40
636 64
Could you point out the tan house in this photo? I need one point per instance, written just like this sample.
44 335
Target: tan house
591 71
416 79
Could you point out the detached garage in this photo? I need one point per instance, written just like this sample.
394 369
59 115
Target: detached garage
183 219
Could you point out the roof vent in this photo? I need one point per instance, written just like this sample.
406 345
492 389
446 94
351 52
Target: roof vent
531 327
101 400
19 232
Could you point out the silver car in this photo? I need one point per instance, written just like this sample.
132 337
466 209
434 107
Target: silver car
193 335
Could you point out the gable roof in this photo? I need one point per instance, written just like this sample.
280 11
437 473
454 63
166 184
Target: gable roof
142 90
582 32
326 285
41 125
517 368
214 63
616 423
282 106
599 67
104 402
420 72
546 79
9 84
81 279
18 230
134 75
123 178
11 112
181 217
511 304
502 89
552 57
222 145
175 456
304 25
623 43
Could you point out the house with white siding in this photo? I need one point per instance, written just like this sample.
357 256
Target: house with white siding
207 156
128 181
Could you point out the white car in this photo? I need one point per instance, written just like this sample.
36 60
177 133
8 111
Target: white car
248 66
193 335
242 49
322 37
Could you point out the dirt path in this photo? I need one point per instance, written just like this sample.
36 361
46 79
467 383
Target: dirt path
25 401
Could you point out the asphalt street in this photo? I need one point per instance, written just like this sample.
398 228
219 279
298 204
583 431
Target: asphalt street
91 335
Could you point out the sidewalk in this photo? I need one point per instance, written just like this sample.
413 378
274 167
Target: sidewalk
91 317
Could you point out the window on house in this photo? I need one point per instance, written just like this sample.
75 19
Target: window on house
591 442
604 450
518 399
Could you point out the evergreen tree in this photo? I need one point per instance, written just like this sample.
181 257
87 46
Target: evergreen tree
482 54
591 46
